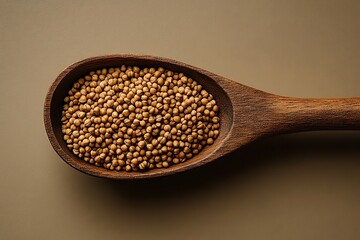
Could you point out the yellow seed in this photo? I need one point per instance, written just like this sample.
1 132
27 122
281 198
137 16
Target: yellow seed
82 99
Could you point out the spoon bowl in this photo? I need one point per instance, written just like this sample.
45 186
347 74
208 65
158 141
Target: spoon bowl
246 114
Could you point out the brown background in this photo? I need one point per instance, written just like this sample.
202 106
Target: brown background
300 186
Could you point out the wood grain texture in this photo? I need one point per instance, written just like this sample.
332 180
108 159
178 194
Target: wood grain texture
246 114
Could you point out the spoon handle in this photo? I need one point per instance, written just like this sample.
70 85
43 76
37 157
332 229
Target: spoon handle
304 114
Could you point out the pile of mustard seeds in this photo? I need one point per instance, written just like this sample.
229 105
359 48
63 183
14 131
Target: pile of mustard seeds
131 119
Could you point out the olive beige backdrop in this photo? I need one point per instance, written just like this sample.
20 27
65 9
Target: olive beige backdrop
299 186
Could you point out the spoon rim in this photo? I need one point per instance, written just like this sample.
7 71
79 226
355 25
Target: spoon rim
152 173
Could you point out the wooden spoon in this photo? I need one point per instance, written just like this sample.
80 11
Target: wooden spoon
246 114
